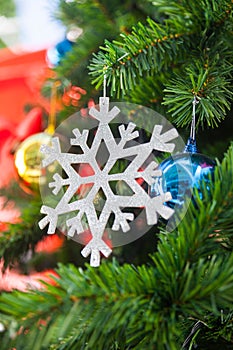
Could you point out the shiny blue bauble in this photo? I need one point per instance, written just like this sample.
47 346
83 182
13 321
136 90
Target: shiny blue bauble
180 174
55 54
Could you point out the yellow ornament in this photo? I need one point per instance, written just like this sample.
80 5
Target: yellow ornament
28 157
28 160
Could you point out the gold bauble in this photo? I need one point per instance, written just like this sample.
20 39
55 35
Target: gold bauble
28 160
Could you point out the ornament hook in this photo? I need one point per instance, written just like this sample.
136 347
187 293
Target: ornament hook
105 75
193 124
191 145
104 86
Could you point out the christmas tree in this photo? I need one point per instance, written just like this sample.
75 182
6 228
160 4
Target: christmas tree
179 296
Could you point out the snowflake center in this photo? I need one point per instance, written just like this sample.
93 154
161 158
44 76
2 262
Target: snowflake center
102 155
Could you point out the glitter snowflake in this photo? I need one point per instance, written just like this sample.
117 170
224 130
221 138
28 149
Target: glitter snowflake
114 203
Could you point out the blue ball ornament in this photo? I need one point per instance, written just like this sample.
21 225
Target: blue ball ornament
182 173
57 53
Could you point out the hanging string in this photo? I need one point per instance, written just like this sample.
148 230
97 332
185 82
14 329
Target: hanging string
193 124
52 114
191 145
104 85
105 75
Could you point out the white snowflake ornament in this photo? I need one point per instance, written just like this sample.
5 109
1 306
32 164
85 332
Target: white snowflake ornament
114 203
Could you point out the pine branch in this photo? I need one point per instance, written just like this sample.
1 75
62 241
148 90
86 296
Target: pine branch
216 11
210 81
147 50
194 42
135 46
149 91
190 275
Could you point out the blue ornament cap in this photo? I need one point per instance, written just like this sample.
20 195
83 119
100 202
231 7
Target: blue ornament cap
191 146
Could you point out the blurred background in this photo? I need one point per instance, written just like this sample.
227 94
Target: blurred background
29 35
27 30
30 25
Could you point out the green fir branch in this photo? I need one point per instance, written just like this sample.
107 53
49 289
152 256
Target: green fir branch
147 50
210 80
215 11
193 45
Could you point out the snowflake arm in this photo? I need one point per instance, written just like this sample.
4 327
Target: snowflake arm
121 220
51 152
97 227
161 142
80 139
58 183
104 115
54 153
50 219
149 173
75 224
94 248
127 133
155 206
